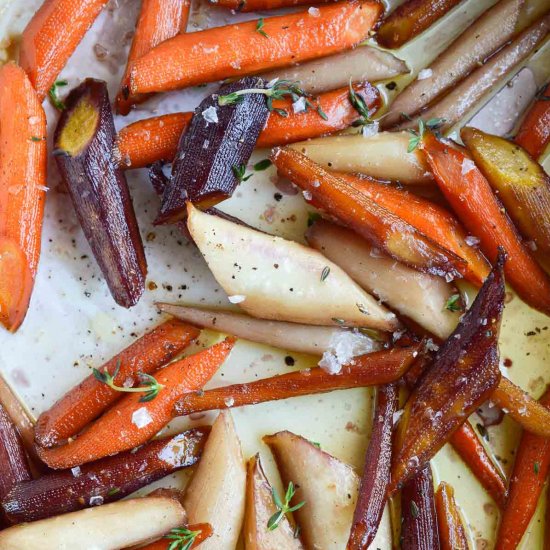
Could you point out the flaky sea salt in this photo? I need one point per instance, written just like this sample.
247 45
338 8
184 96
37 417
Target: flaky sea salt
371 129
471 240
210 115
236 298
424 74
467 166
76 471
396 416
307 195
299 106
343 347
96 501
141 418
313 11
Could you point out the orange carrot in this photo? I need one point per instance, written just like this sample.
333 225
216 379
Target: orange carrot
530 472
240 49
410 19
470 195
452 535
534 132
203 530
131 421
85 402
432 220
332 111
147 141
261 5
158 21
22 191
51 37
467 444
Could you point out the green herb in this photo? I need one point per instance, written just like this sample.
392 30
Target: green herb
283 508
358 103
54 94
182 538
536 467
260 27
362 309
325 273
415 512
240 173
312 217
36 138
322 113
316 444
262 165
151 388
338 321
454 303
113 491
416 136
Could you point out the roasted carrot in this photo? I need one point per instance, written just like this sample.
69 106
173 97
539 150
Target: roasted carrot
526 411
132 422
261 5
198 533
376 368
158 21
239 49
470 196
51 37
22 191
432 220
467 444
85 402
377 224
452 535
410 19
147 141
534 132
528 477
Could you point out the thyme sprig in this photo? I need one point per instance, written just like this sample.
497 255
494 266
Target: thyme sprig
433 124
151 388
283 508
182 538
359 104
240 172
454 303
54 94
260 27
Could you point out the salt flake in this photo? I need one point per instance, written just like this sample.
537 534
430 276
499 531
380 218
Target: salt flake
467 166
210 115
236 298
424 74
141 418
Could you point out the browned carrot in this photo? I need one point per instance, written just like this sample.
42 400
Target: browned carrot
467 444
429 218
452 535
470 196
203 531
528 477
131 421
51 37
410 19
158 21
22 191
534 132
261 5
239 49
90 398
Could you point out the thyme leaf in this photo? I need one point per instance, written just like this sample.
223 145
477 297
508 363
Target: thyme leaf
283 508
54 94
433 124
182 538
454 303
260 27
240 173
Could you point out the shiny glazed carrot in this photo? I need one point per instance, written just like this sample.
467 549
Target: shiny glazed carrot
132 422
85 402
203 530
452 535
51 37
467 444
410 19
528 477
239 49
431 219
22 191
158 21
534 132
260 5
147 141
470 195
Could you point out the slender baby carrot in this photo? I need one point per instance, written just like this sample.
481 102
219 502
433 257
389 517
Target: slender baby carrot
528 477
51 37
452 535
132 422
467 444
158 21
431 219
534 132
85 402
261 5
470 196
22 191
194 534
248 48
410 19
